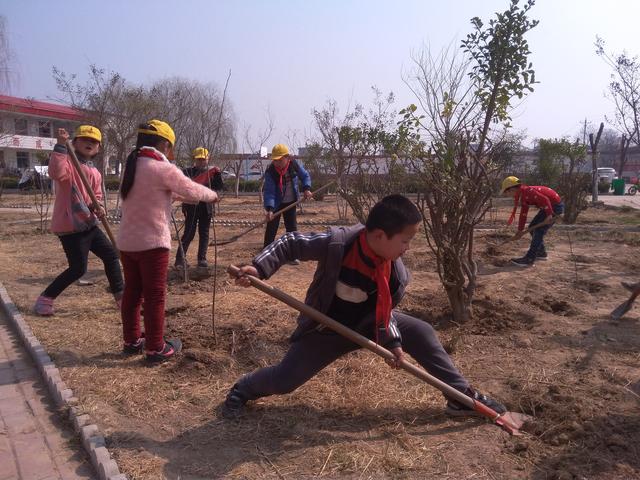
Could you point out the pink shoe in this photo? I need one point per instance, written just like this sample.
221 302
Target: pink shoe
44 306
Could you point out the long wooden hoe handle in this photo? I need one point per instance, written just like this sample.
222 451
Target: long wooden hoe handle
364 342
279 212
87 186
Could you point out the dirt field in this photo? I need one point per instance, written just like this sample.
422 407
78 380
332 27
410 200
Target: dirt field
541 341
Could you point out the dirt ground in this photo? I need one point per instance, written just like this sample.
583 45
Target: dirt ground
541 341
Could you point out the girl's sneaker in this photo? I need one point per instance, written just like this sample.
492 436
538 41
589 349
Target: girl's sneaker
44 306
135 347
171 347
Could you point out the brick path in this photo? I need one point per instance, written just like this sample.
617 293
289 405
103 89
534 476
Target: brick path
35 443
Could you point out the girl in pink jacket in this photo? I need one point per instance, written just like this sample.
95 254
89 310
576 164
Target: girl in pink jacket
75 218
144 239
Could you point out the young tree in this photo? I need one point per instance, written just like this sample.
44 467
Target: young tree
624 91
359 151
454 147
571 183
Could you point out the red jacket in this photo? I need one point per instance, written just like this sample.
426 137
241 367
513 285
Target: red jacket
544 198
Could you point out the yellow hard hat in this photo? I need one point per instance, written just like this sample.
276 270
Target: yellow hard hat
161 129
200 152
279 151
509 182
88 131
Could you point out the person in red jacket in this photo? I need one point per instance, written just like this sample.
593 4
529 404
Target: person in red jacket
550 205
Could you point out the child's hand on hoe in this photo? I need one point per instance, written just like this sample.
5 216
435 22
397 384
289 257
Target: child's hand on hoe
63 136
399 354
242 278
99 210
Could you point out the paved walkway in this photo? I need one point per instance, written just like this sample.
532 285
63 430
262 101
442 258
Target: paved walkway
35 444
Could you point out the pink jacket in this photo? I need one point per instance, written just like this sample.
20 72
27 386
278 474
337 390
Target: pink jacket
66 178
146 212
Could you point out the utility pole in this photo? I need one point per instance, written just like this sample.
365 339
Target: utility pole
594 163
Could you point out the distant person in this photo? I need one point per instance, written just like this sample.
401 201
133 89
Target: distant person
281 190
75 218
199 216
360 279
550 205
148 184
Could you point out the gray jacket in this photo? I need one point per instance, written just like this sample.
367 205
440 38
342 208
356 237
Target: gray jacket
328 250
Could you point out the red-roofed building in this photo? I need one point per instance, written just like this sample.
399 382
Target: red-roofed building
28 128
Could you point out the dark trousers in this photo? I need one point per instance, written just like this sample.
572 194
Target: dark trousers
314 350
145 276
195 216
537 236
77 247
290 223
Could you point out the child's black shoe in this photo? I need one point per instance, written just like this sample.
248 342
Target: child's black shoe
522 262
455 409
171 347
234 403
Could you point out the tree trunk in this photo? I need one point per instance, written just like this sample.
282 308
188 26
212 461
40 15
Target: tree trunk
624 146
460 304
594 163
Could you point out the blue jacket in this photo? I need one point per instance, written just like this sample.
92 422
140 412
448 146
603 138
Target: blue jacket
272 194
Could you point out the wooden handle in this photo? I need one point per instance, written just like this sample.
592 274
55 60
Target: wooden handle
87 186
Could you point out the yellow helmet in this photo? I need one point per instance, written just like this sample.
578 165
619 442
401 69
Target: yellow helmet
88 131
279 151
509 182
161 129
200 152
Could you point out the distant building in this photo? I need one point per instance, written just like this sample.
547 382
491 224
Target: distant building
28 130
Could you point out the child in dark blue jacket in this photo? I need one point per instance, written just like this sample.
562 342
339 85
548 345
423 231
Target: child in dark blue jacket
281 190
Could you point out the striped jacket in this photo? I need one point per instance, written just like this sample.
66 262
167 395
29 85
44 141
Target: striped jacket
328 250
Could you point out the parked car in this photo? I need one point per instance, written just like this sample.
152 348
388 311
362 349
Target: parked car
226 174
607 174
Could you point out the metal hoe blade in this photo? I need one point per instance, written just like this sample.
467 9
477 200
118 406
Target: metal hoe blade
512 422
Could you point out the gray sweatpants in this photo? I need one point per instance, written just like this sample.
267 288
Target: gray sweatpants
315 350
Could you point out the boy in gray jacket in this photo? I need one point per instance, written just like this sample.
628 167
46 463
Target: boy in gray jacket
360 278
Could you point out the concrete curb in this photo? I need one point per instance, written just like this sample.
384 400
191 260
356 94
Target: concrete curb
92 440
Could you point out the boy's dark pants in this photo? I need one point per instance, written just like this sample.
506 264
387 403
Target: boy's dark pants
77 247
315 350
290 223
537 236
195 216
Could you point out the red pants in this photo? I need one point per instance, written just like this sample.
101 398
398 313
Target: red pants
145 276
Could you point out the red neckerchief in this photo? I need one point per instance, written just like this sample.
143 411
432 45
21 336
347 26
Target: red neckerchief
204 177
380 272
151 153
515 205
281 172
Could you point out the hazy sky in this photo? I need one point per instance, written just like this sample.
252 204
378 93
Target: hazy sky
290 56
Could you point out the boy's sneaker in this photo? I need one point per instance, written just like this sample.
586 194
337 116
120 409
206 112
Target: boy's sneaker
135 347
455 409
44 306
522 262
203 264
294 262
171 347
234 403
542 256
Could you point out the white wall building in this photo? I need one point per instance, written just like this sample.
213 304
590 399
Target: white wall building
28 130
